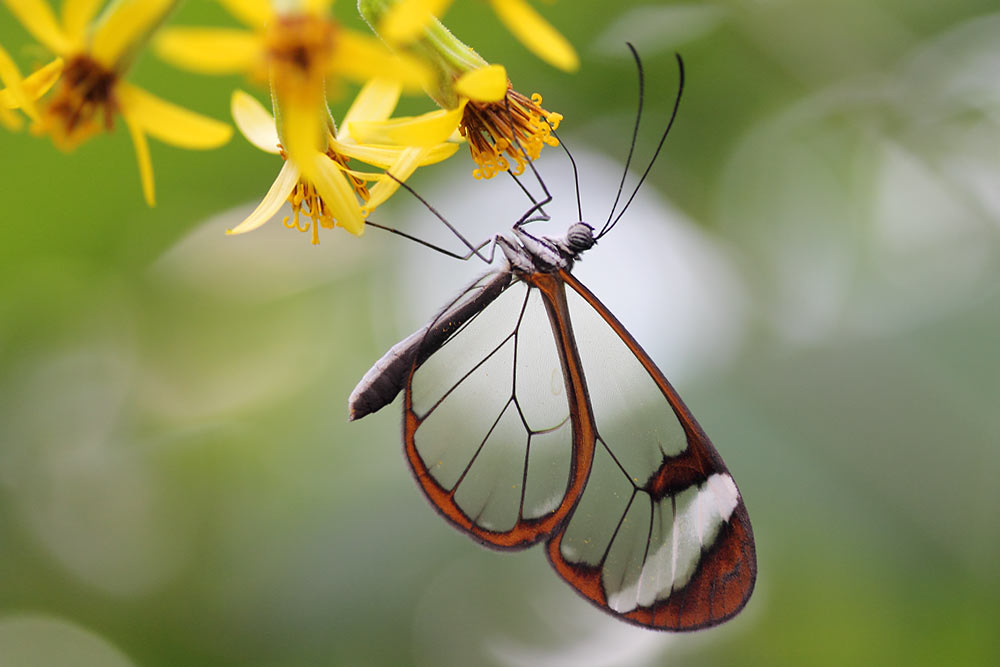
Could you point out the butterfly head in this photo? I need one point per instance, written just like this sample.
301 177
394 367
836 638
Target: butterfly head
579 238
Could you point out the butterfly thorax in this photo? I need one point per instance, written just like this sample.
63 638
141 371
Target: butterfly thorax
529 254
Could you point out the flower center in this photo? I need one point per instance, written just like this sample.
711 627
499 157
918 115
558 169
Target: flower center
86 90
516 126
300 45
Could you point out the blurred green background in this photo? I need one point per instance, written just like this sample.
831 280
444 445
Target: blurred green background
820 243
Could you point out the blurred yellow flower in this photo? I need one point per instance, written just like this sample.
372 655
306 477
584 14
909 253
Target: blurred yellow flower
340 197
299 40
299 51
93 55
403 21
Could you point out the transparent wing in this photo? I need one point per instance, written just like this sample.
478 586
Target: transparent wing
488 429
660 536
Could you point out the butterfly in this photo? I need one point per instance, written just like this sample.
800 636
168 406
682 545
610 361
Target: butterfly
521 430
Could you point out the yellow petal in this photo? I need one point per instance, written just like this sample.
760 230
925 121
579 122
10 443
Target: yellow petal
338 195
272 202
536 33
254 13
407 162
375 101
405 20
378 156
22 93
143 158
35 85
14 96
123 26
359 58
301 131
321 7
76 15
253 120
483 84
385 156
37 18
424 130
438 153
170 123
209 50
9 119
368 176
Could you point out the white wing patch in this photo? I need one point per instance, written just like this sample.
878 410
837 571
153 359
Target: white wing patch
723 489
683 527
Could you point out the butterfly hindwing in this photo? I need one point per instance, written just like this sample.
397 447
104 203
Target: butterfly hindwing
660 536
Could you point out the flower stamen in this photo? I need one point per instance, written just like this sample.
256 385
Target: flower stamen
306 202
516 126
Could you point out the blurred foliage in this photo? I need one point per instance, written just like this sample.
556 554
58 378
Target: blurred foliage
178 482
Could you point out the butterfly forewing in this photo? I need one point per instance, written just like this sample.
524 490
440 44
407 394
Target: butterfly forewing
660 535
487 425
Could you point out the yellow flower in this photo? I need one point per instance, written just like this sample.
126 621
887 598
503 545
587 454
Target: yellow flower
340 197
499 123
494 118
404 19
93 55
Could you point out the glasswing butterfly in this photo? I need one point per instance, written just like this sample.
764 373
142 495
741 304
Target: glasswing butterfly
519 430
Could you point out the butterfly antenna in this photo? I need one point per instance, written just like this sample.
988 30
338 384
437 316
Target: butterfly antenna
428 244
576 176
635 133
473 249
663 138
